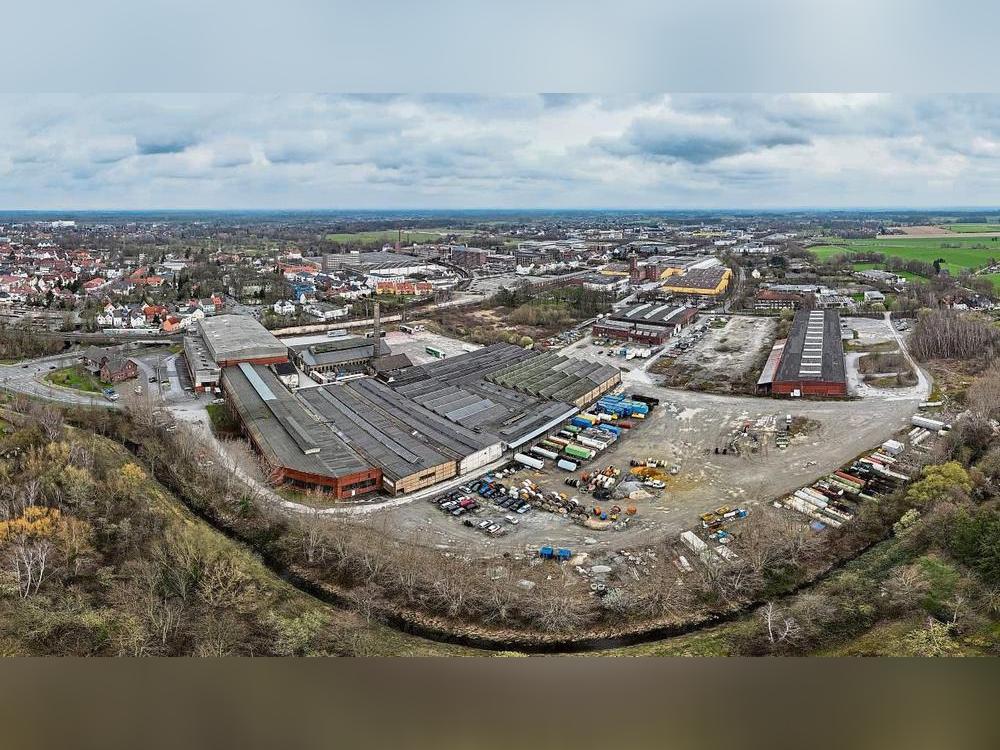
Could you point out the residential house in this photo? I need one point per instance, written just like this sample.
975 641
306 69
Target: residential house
118 368
173 323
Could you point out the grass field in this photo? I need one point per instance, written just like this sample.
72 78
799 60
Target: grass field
78 378
905 274
957 252
389 235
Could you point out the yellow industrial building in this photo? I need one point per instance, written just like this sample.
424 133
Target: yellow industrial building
709 282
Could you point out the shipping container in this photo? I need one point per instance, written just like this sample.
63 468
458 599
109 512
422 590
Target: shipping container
648 400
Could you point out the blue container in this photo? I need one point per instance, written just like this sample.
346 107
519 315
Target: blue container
546 552
564 554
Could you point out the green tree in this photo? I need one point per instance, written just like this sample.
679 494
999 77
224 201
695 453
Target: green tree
939 481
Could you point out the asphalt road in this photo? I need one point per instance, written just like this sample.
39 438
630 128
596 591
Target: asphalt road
29 378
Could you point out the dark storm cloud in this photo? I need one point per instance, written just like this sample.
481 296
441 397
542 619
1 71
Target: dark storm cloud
698 145
171 145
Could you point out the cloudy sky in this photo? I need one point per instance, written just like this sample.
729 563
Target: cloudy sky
524 151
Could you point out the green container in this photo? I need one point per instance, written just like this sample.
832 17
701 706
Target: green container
577 452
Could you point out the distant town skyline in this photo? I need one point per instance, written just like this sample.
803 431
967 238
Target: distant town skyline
453 152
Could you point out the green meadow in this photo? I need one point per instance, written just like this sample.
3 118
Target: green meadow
957 252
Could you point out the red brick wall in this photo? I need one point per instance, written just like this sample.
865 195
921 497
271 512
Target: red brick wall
335 484
126 373
623 335
810 388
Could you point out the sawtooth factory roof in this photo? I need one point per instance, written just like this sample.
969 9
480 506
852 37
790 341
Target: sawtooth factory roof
556 377
656 314
459 390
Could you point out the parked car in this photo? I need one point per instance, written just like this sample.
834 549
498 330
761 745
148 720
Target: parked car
511 520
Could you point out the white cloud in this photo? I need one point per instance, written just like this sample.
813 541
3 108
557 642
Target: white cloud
398 151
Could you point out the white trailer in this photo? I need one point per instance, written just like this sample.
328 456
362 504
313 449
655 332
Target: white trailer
534 463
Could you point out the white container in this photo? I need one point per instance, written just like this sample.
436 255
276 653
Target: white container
534 463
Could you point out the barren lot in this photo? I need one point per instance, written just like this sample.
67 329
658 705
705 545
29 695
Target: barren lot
685 429
414 345
722 359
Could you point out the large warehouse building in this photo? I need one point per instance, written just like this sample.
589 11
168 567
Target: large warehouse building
812 361
428 424
227 340
649 323
700 282
461 390
298 447
348 355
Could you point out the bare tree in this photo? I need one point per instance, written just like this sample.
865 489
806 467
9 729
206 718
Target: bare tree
50 419
780 628
28 562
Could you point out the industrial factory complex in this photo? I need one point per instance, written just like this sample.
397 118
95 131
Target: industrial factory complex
392 430
649 323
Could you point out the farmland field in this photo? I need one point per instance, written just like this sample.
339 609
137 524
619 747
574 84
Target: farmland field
957 252
962 228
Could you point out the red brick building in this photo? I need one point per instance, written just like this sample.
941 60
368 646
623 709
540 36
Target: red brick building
812 362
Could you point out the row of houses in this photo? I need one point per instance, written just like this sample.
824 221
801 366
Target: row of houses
168 318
